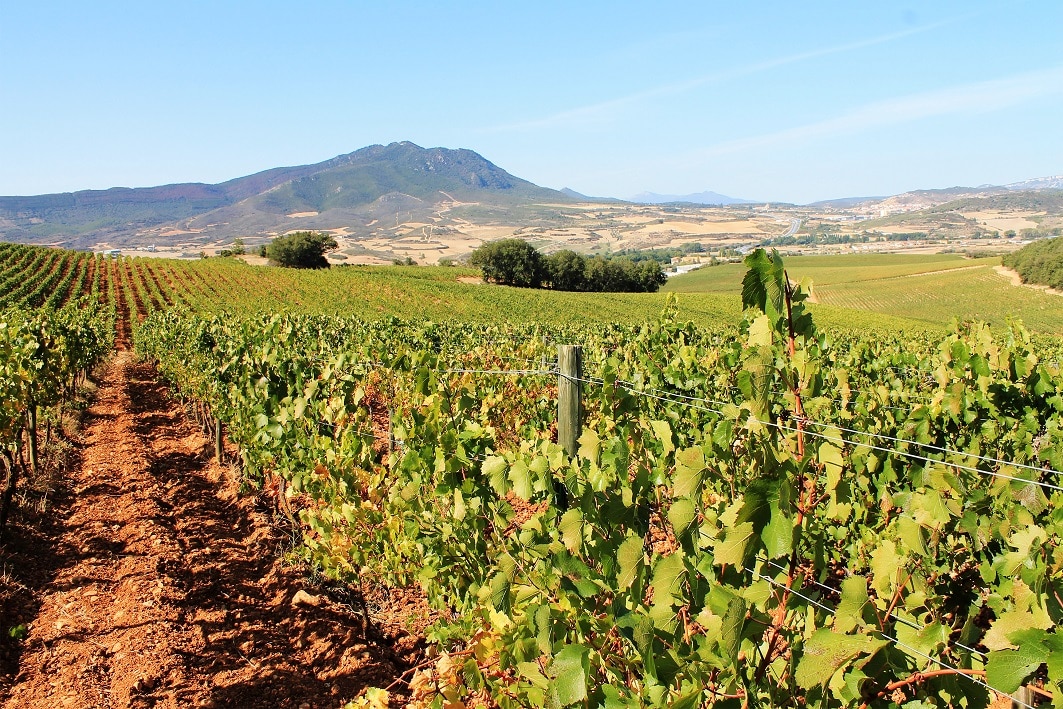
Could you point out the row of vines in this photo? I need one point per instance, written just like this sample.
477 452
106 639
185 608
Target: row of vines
767 515
44 355
37 277
55 325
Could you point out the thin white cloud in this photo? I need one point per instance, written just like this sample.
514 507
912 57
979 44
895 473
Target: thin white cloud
981 97
595 111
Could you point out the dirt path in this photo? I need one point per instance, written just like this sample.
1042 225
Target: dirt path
155 584
941 270
1016 280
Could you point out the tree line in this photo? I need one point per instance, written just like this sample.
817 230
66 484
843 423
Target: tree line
514 262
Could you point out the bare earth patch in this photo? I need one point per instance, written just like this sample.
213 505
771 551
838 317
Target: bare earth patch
153 583
1016 280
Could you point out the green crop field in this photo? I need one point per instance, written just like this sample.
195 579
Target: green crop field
825 270
978 294
143 285
932 288
435 293
909 293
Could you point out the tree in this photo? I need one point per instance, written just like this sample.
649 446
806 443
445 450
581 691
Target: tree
237 249
600 275
566 269
622 275
301 249
511 262
516 263
651 277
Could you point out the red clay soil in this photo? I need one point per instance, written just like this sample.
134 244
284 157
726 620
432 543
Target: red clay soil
152 582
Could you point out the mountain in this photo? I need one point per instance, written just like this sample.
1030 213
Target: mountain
989 197
377 182
1054 182
844 202
714 198
584 198
922 199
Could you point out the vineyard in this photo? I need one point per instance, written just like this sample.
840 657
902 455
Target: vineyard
933 288
139 286
794 506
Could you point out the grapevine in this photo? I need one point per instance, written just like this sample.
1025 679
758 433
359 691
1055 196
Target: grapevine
773 515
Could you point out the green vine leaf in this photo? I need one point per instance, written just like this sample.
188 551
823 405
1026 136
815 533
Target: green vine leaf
731 547
1006 669
571 527
569 672
689 471
849 614
681 515
827 651
630 558
763 285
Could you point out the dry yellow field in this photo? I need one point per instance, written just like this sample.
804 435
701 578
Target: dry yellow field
452 229
1002 221
742 226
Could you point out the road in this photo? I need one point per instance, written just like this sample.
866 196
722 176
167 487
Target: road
795 224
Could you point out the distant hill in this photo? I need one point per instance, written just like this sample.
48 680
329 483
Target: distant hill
968 199
398 201
844 202
979 213
714 198
1054 182
922 199
925 199
914 199
584 198
376 182
1049 202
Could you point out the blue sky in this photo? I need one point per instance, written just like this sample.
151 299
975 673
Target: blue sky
768 100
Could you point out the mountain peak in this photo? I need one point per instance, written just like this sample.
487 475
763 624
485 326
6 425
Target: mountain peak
348 187
1053 182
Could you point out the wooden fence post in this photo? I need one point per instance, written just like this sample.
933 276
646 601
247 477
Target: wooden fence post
569 413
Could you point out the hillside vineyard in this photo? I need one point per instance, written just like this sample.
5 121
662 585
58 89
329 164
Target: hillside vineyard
759 510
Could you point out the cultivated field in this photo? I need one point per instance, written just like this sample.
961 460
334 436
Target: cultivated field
931 288
703 507
455 229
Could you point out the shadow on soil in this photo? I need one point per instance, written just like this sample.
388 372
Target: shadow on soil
240 595
30 560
